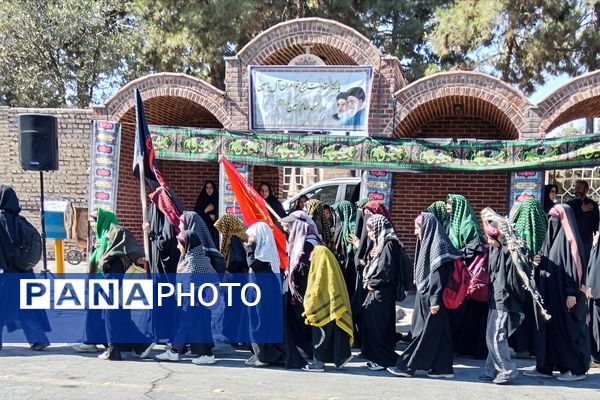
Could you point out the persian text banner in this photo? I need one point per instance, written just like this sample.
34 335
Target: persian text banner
375 153
104 168
318 98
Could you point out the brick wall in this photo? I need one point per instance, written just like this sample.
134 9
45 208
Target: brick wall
71 180
186 178
412 193
463 127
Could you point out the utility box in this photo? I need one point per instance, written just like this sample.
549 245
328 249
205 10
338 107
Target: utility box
58 217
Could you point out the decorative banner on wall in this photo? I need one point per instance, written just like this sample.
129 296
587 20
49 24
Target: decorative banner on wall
525 185
313 98
375 153
378 186
104 165
227 202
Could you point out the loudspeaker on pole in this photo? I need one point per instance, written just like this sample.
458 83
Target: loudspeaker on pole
38 142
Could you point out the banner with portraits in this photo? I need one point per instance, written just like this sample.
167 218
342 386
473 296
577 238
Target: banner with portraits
310 98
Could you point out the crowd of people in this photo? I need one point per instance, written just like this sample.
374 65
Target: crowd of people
533 283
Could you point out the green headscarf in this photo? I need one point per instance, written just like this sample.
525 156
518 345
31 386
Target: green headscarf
438 209
361 203
531 223
121 244
464 227
103 222
346 212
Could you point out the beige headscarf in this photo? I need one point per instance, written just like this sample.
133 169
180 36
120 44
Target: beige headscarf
228 225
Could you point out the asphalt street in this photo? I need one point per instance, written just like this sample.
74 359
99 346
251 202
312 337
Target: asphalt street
59 373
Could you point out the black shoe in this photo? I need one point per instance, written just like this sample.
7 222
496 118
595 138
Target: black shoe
440 375
404 337
39 346
400 372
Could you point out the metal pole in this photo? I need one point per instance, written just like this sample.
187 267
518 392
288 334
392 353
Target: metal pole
59 256
43 222
144 206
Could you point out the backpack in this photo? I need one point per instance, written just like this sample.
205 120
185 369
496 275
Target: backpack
479 275
456 288
27 245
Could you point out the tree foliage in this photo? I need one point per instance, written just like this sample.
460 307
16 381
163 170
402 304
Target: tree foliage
72 52
194 36
61 52
523 41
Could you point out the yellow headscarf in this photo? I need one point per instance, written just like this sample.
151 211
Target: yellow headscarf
326 297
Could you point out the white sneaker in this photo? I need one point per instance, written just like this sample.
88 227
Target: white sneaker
204 360
440 376
251 360
85 348
168 355
569 377
259 363
374 366
191 355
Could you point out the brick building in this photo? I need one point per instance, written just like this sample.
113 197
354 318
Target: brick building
456 104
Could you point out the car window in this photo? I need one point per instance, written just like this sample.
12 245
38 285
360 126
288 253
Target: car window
352 193
327 194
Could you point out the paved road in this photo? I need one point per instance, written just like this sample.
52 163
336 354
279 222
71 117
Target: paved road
58 373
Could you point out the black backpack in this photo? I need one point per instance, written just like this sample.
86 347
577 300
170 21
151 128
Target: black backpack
27 245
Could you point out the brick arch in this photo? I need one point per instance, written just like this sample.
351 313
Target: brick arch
479 95
287 38
578 98
179 88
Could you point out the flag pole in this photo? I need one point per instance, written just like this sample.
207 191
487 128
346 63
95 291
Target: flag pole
144 206
273 212
266 204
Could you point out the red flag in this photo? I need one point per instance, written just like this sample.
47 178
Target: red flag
254 208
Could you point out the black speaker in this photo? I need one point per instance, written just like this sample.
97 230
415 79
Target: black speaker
38 142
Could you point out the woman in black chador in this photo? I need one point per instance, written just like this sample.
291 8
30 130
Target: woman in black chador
593 294
380 280
34 323
563 341
207 207
431 345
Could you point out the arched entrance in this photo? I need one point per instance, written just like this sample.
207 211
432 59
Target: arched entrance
169 99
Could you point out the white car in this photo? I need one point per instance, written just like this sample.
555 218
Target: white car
329 192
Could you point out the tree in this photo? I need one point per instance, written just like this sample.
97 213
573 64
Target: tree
401 29
58 53
569 130
192 37
523 41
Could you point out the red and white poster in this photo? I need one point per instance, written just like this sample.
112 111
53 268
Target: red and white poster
104 165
